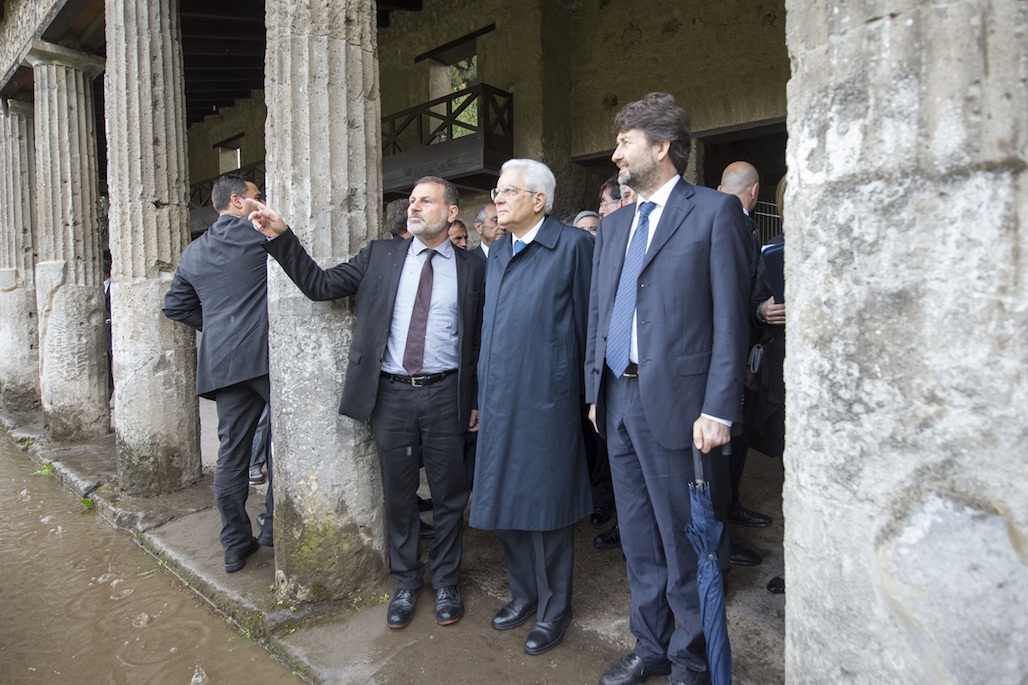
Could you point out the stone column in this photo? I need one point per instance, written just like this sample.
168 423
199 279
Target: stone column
156 416
324 175
69 283
19 341
907 361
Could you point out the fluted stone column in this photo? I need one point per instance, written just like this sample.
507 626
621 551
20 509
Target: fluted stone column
19 339
323 171
69 283
907 355
156 413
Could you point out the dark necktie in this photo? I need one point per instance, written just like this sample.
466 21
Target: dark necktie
619 335
414 352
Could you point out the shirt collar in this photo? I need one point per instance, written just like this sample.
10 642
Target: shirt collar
661 194
444 249
530 236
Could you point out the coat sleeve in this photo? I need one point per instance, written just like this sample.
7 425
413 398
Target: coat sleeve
582 300
181 303
592 380
316 283
478 292
730 290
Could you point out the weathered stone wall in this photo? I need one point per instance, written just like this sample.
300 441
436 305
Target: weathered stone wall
22 19
725 62
19 336
571 65
157 422
246 117
324 176
906 494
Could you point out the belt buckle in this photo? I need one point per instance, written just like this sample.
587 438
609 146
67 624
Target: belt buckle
418 381
631 372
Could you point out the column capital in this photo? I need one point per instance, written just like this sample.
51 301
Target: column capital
19 107
41 52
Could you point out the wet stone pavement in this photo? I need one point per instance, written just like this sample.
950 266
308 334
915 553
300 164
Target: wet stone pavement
348 641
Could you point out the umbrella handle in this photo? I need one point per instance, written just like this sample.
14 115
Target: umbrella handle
697 461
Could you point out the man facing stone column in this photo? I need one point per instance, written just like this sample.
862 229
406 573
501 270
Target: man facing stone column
69 286
19 340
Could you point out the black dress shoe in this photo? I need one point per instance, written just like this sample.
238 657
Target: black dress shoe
267 536
427 531
776 585
448 606
401 608
234 562
608 539
545 635
745 517
600 516
513 614
632 670
743 556
424 505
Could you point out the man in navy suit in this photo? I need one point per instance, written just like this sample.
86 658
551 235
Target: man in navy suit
220 288
664 369
412 371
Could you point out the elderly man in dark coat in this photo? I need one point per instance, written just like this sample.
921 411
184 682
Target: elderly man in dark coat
531 480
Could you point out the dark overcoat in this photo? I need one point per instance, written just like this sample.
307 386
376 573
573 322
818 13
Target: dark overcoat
531 471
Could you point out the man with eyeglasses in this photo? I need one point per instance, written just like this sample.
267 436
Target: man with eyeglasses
531 481
488 228
610 196
411 370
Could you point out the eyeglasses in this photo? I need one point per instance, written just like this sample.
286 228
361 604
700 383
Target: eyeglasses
604 203
507 192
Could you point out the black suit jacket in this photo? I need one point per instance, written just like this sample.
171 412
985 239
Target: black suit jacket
372 277
478 252
220 288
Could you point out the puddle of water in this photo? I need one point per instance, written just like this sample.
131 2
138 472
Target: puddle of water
82 603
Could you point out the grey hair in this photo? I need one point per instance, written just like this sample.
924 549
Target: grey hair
583 214
480 215
538 178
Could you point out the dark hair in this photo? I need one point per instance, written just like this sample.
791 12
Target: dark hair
660 118
450 193
396 217
612 186
458 222
226 186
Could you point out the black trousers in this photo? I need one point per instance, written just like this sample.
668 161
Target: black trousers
540 567
410 423
239 411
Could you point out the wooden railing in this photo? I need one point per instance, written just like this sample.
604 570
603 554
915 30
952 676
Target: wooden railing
482 110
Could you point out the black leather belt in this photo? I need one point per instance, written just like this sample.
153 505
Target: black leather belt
632 371
419 380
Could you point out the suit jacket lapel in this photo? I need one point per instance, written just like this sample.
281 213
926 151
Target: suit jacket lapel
397 255
620 227
462 258
678 206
